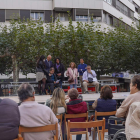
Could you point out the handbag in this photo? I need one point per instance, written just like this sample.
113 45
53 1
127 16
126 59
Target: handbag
90 80
70 80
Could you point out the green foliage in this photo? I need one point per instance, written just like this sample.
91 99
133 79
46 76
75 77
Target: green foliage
107 51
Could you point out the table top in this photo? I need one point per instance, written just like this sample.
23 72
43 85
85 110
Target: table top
86 97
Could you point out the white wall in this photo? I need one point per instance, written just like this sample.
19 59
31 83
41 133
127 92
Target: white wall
137 2
26 4
86 4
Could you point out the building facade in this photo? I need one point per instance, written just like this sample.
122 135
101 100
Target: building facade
105 12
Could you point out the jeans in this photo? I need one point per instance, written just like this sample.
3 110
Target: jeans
60 83
73 86
78 137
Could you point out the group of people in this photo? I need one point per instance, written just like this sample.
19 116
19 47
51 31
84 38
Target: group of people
50 76
32 114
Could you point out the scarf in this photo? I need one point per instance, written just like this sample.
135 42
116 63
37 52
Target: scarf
74 74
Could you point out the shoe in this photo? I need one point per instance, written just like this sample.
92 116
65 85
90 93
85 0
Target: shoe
86 92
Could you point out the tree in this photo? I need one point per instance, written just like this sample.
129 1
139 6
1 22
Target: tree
24 43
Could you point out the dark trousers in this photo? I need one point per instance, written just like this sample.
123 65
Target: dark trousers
51 86
78 137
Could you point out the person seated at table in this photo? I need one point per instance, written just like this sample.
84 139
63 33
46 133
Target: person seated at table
105 103
76 106
89 79
52 81
9 119
33 114
57 102
133 97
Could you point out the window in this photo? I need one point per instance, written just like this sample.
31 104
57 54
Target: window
125 10
110 20
96 19
37 16
61 16
105 17
12 14
81 18
137 22
108 1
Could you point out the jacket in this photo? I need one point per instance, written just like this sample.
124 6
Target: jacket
77 106
103 105
61 70
49 80
124 108
35 115
9 119
82 69
41 68
48 66
132 124
70 74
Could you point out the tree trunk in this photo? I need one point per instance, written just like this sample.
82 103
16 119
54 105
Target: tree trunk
15 73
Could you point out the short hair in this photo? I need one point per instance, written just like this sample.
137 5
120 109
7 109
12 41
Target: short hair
88 66
74 64
49 55
51 69
82 59
136 80
73 93
25 91
106 92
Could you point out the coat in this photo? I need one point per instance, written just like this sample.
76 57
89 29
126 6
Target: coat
35 115
61 70
132 125
124 108
41 68
77 106
48 66
9 119
49 80
70 74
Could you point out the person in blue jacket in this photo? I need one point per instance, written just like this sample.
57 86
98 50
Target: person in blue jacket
81 69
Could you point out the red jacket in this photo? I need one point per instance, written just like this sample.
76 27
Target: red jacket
77 106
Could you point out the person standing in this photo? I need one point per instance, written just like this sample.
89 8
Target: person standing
89 78
41 73
81 70
59 70
72 73
48 63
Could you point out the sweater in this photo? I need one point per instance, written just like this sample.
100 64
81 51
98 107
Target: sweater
124 108
77 106
33 114
82 69
103 105
132 125
9 119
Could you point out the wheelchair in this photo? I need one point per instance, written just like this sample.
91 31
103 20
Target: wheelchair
116 131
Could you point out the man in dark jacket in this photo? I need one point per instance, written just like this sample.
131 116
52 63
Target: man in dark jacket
9 119
76 106
52 81
48 63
